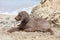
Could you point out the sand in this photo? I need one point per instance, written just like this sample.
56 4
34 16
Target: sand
8 21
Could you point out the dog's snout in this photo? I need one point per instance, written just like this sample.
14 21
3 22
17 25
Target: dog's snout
15 18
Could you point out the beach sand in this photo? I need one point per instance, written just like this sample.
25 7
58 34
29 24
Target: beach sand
8 21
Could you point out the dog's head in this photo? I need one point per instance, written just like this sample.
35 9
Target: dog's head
20 15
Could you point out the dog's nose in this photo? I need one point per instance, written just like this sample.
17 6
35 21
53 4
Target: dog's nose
16 19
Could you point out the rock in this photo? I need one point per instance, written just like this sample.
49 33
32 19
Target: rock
49 10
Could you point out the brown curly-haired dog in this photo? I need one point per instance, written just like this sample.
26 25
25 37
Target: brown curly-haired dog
31 24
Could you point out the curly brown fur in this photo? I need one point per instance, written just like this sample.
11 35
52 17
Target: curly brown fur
32 24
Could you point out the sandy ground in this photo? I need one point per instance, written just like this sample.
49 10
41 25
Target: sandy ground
7 21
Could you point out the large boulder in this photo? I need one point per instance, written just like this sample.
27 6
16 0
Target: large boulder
49 10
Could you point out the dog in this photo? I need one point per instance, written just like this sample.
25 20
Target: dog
29 24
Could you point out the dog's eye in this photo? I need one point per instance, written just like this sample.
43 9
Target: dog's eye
18 15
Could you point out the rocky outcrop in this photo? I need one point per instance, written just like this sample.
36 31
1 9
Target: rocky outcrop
49 10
